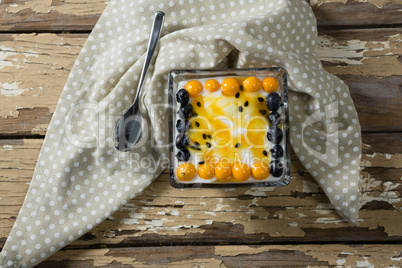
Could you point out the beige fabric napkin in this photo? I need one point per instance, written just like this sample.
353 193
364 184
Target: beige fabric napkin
80 179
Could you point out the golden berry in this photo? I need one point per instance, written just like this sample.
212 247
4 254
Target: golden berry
212 85
230 86
260 171
206 171
270 84
241 171
185 172
193 88
252 84
223 170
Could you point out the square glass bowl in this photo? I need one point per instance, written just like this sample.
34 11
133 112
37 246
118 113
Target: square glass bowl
229 128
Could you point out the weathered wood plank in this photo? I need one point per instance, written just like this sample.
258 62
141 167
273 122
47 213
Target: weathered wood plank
35 67
361 52
357 12
232 256
164 215
378 101
50 15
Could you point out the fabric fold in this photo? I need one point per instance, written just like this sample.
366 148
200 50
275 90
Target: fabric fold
81 179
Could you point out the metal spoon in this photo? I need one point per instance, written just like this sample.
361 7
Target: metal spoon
129 127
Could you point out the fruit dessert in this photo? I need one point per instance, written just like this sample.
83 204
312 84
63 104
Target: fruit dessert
228 130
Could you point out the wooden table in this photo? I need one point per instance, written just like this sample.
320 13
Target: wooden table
359 41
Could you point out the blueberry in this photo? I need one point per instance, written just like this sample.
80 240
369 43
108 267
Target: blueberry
277 151
276 168
182 125
274 118
183 155
185 110
182 141
273 101
182 96
275 135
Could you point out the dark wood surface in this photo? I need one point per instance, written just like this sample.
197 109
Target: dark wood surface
359 41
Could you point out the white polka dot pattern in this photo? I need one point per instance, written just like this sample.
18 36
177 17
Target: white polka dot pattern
80 179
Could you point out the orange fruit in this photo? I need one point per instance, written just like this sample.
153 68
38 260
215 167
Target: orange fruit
260 171
230 86
252 84
206 171
270 84
185 172
241 171
193 88
223 170
212 85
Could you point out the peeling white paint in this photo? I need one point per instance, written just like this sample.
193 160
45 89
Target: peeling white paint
329 220
346 253
301 215
42 7
255 192
293 224
323 211
250 211
384 43
364 263
31 53
389 186
388 193
377 3
388 156
153 225
7 89
318 3
396 35
340 52
130 221
229 189
341 261
219 205
134 217
175 213
7 148
5 52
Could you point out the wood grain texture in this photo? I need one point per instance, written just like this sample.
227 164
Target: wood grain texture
359 40
297 213
376 255
357 12
35 67
49 15
58 16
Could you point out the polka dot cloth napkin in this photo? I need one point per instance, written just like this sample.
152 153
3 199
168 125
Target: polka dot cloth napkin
80 179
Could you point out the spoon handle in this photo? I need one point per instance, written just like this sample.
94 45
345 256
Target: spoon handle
153 41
